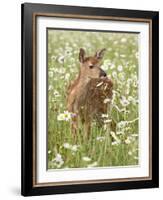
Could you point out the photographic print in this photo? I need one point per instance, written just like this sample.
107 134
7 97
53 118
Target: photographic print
93 101
89 99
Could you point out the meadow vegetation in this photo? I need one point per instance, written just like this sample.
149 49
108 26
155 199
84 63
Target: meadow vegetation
104 148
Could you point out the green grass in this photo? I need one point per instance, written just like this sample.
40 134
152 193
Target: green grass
121 64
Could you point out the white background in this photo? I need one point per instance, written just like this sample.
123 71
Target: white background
10 112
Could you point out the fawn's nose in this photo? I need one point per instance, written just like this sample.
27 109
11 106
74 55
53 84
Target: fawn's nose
102 73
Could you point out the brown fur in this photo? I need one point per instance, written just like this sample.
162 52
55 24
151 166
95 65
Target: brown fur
87 92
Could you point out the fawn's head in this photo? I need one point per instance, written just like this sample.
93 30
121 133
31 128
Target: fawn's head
90 66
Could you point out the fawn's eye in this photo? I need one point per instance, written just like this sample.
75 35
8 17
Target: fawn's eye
91 66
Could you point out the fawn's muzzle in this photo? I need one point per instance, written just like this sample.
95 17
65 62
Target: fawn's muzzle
102 73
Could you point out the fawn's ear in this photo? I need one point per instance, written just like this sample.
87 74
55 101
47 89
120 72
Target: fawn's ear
81 55
99 54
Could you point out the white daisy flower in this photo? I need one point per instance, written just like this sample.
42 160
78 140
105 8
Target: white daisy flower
74 147
114 74
61 59
120 68
104 115
107 121
121 124
114 143
58 160
87 159
112 66
128 141
50 87
123 40
56 93
67 145
66 116
100 138
60 117
124 102
67 76
105 67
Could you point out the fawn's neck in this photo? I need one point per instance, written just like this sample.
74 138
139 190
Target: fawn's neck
83 81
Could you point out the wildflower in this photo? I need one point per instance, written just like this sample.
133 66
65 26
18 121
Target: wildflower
58 160
119 132
112 66
49 152
72 59
50 87
122 124
53 57
104 115
74 114
115 143
115 42
120 68
128 141
122 55
60 117
130 98
106 61
68 52
123 40
66 167
114 74
67 76
124 101
134 135
105 67
56 93
100 138
122 76
107 121
87 159
94 164
106 64
50 74
66 116
66 145
74 147
61 59
110 49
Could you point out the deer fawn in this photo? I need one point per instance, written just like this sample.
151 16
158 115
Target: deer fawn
86 94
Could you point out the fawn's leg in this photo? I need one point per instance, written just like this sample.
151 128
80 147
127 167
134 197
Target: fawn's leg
87 129
74 126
